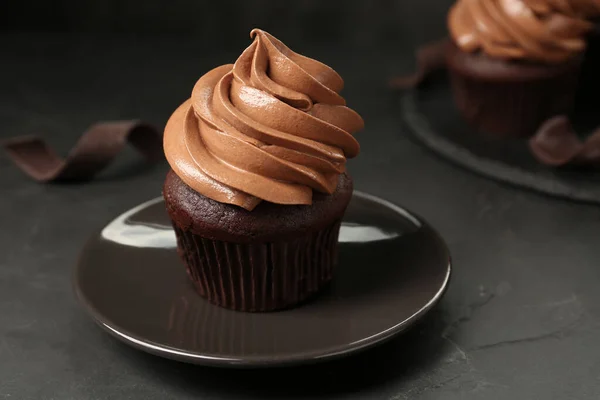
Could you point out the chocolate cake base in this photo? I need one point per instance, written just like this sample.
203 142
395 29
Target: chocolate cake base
434 121
510 98
270 258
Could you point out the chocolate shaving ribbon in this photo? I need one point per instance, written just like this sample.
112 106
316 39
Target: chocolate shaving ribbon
556 144
429 59
94 150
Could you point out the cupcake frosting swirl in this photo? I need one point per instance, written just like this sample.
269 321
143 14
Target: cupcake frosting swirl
270 127
550 31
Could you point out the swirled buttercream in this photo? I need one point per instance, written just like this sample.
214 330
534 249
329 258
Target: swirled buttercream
550 31
270 127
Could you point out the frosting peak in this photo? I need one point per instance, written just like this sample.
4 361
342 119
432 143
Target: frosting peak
536 30
270 127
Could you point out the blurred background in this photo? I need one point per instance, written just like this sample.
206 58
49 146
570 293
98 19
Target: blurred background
67 63
227 23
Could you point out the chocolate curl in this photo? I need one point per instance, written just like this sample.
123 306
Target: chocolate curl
556 144
429 59
590 154
94 150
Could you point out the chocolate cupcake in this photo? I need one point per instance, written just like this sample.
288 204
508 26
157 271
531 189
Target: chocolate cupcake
515 63
258 185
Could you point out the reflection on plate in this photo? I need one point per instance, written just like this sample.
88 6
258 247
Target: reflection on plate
123 230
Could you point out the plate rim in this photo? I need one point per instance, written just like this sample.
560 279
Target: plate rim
422 131
290 359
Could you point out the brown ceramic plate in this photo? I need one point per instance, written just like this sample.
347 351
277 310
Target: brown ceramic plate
393 269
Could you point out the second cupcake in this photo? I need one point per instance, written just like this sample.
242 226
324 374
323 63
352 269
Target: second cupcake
514 63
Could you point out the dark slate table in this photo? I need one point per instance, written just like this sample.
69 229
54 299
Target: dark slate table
521 319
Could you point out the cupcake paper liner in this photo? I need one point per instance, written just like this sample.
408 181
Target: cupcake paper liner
259 276
513 109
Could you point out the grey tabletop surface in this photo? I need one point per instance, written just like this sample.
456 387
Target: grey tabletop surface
521 319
